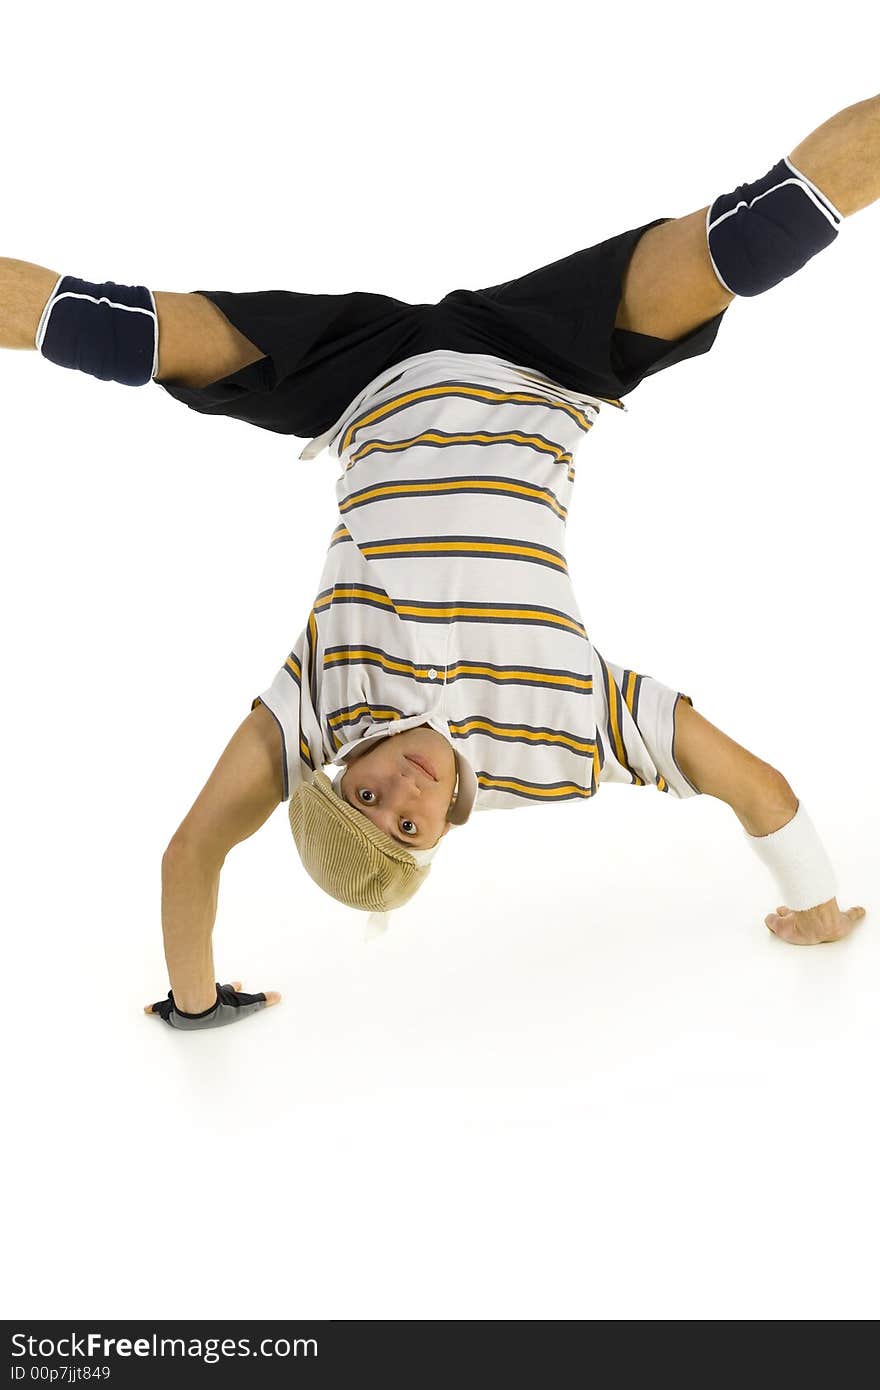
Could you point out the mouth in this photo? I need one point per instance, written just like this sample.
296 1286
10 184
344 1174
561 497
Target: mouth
423 764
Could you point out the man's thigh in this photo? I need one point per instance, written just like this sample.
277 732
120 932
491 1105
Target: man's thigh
670 287
242 791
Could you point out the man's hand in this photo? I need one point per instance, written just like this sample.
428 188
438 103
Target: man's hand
230 1006
823 923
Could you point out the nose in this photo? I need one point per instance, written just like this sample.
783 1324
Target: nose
410 778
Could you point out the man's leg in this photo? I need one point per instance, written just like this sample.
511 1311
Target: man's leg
670 286
24 290
238 797
763 802
842 156
197 343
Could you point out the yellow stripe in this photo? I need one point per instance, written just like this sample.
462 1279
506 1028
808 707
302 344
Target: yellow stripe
376 712
617 731
614 716
312 647
549 793
546 677
478 393
454 485
359 654
340 591
481 547
388 446
520 614
630 689
530 735
450 611
353 714
510 673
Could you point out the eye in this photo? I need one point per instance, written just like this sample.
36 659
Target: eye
365 791
408 827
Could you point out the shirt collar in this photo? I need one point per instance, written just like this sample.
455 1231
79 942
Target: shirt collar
391 727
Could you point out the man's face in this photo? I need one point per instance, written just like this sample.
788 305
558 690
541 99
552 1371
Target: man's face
401 798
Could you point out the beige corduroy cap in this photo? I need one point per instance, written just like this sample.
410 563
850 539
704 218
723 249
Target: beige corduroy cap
355 862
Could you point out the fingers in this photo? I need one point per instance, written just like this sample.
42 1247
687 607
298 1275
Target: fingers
785 927
809 929
272 997
848 919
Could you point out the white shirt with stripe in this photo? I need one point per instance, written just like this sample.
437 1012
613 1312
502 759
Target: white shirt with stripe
445 594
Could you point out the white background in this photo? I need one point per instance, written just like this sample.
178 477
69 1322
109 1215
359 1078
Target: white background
581 1080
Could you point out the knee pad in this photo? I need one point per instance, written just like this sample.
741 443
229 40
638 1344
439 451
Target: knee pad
110 331
763 232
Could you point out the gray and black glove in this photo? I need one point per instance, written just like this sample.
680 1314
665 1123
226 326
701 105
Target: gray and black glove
230 1006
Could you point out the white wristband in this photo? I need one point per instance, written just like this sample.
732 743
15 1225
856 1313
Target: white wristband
797 860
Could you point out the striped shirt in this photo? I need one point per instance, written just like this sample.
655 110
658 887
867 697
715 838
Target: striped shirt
445 594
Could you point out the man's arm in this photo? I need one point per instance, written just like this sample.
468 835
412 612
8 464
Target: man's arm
670 286
842 157
764 803
197 343
240 794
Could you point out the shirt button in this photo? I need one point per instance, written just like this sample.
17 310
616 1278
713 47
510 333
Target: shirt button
432 674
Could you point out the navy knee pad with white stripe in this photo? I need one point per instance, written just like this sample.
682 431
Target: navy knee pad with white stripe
110 331
763 232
